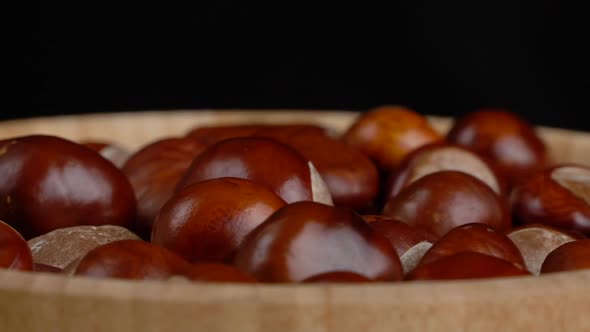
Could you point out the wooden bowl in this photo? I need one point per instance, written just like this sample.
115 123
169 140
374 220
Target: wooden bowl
47 302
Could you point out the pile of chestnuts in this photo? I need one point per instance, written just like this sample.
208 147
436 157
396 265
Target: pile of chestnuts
391 199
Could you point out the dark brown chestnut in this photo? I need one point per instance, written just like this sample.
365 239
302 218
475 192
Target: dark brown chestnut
307 238
215 272
401 235
110 151
568 257
558 196
475 238
438 157
131 259
387 134
53 183
441 201
505 138
535 242
154 172
274 165
466 265
337 277
207 221
14 251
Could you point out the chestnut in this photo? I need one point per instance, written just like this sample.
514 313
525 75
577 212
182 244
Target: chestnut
110 151
337 277
154 172
466 265
558 196
504 137
475 238
53 183
63 246
441 201
14 251
308 238
570 256
535 242
216 272
131 259
387 134
207 221
438 157
265 161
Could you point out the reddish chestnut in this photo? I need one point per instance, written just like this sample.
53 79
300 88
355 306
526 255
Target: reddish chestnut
570 256
131 259
307 238
112 152
217 273
401 235
503 137
443 157
535 242
154 172
466 265
207 221
264 161
14 251
441 201
478 238
387 134
215 134
53 183
558 196
337 277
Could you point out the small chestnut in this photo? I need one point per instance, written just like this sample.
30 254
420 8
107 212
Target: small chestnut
337 277
52 183
274 165
216 272
131 259
570 256
62 246
441 201
154 172
438 157
535 242
112 152
509 141
14 251
207 221
466 265
387 134
558 196
307 238
478 238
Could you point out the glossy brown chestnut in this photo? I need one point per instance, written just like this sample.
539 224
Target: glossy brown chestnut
535 242
337 277
478 238
62 246
53 183
570 256
274 165
217 273
110 151
154 172
466 265
505 138
207 221
14 251
558 196
388 133
38 267
441 201
438 157
307 238
209 135
131 259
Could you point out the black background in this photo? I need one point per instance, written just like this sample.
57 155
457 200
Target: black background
438 57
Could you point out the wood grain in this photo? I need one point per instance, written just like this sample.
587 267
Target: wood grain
45 302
